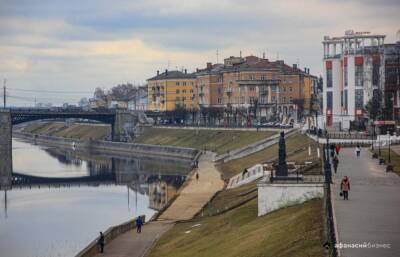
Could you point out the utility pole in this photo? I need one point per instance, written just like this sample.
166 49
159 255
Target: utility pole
4 93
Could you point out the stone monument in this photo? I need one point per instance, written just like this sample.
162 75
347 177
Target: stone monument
281 168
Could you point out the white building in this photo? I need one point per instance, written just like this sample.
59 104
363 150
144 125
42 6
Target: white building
353 67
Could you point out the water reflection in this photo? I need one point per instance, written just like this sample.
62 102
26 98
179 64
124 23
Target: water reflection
61 199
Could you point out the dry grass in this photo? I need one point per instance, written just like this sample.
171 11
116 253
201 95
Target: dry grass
293 231
220 141
295 142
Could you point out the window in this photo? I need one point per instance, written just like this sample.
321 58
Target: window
177 83
191 83
359 99
191 91
284 89
184 98
184 83
184 91
329 100
290 99
290 89
329 78
177 91
273 99
252 88
219 100
284 99
177 98
273 88
359 75
345 99
219 90
375 74
346 76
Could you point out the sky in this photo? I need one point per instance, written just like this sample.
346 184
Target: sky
59 51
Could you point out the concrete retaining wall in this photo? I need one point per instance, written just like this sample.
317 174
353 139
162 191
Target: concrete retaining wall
117 147
273 196
111 233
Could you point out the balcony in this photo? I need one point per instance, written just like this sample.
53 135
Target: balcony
267 82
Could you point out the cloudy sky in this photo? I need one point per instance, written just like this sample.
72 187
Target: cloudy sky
77 45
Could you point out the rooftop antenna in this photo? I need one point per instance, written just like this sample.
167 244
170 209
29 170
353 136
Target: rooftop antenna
263 55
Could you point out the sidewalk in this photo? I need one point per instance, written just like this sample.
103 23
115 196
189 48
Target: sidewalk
371 215
190 200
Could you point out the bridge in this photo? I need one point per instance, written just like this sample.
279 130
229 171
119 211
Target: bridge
118 119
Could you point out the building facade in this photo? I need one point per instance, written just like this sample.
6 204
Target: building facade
353 69
392 78
170 91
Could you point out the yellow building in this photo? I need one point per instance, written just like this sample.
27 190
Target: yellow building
310 83
172 90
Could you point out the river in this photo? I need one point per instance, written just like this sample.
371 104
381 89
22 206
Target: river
61 199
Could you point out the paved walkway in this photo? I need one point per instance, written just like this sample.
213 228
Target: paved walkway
191 199
372 213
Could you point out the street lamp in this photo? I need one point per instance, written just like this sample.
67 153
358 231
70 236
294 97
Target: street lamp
389 148
372 136
327 165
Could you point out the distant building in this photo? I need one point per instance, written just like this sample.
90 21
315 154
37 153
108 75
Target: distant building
353 69
139 101
171 90
392 76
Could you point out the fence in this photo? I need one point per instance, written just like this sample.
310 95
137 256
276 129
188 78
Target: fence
328 211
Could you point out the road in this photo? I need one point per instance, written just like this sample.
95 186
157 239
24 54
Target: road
372 213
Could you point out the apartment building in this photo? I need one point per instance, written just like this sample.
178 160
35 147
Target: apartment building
172 90
353 69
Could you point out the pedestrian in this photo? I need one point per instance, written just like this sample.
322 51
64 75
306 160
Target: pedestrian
139 224
197 176
345 188
337 148
335 163
358 151
332 147
100 242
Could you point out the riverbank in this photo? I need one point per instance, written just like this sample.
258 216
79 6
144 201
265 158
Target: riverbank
115 147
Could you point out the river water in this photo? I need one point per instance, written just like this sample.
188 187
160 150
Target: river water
61 199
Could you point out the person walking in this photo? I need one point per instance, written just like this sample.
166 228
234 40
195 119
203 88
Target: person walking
197 176
358 151
139 224
345 188
335 162
100 242
337 149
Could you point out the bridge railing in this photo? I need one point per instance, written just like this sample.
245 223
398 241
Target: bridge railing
93 248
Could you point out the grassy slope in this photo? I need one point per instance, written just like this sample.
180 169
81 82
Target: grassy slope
60 129
220 141
295 142
293 231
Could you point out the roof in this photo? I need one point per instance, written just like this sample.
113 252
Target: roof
174 74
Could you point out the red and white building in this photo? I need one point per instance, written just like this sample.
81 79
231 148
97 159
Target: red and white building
353 68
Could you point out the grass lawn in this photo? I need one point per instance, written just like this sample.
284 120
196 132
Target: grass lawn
220 141
394 157
79 130
293 231
298 141
230 198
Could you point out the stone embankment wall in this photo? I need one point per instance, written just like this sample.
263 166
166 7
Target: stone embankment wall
117 147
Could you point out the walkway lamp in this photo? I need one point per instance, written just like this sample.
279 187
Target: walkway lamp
372 136
327 165
389 147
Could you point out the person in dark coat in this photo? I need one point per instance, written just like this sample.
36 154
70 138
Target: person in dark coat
345 187
100 242
139 224
335 162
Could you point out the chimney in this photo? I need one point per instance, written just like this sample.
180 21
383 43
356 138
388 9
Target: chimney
185 71
158 72
263 55
197 69
209 65
166 72
294 66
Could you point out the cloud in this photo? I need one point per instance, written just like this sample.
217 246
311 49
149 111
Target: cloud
54 44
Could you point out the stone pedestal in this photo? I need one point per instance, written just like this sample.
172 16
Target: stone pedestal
273 196
5 149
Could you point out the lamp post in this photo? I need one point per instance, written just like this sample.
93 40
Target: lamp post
379 145
372 136
389 148
327 165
